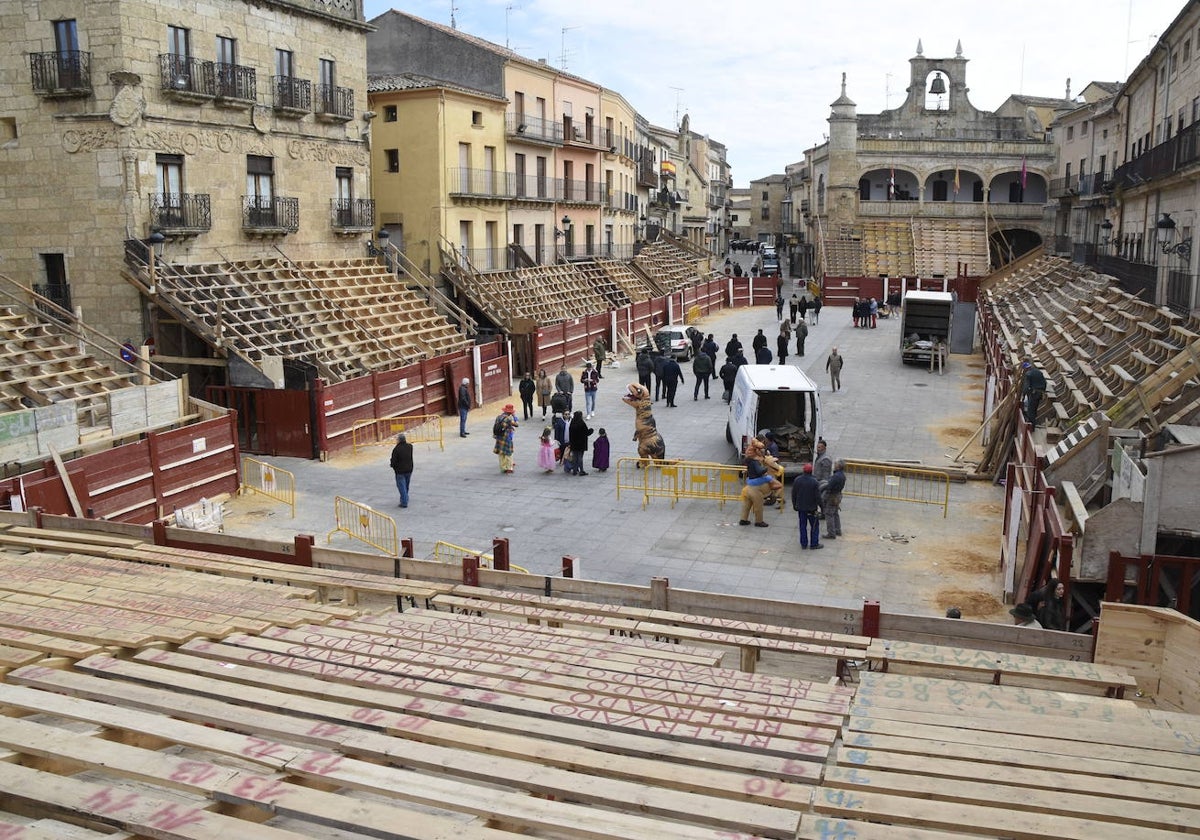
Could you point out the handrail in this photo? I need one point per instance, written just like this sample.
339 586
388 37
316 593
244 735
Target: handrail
435 296
44 308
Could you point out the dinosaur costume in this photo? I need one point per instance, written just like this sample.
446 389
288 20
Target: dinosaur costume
645 430
763 479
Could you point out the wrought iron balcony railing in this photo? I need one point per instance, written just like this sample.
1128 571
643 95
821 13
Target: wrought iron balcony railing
533 129
352 214
489 183
586 192
535 188
579 135
186 77
1164 159
1060 187
291 95
267 213
61 74
57 293
235 83
334 103
180 213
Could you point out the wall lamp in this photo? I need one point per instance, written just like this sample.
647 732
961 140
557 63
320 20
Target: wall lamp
1166 233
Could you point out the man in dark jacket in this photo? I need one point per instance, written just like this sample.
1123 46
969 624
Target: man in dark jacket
806 498
526 388
402 466
702 371
645 367
801 336
464 406
762 356
832 500
672 375
577 439
660 366
728 374
733 346
1033 386
710 348
760 340
781 348
565 383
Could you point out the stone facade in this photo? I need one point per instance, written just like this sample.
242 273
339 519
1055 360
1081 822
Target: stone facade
122 117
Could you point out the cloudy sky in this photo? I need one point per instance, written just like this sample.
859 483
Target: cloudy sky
758 75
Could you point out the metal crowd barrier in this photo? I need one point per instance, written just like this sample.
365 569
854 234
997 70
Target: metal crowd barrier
418 428
444 552
270 481
898 484
677 480
365 524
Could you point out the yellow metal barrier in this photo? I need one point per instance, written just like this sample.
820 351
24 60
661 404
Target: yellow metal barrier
365 524
677 480
692 315
418 428
270 481
898 484
444 552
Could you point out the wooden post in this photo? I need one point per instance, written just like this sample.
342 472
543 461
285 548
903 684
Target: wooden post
870 619
660 593
304 549
470 570
568 566
500 554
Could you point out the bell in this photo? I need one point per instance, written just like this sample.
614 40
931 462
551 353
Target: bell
938 85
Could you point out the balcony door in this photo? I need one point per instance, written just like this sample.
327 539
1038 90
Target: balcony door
169 169
226 66
344 186
260 191
179 52
66 46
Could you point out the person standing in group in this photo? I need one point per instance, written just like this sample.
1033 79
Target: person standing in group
785 329
559 403
762 356
833 364
560 436
804 308
502 432
526 388
544 390
1033 387
546 459
822 469
793 307
601 353
728 375
816 310
801 336
672 375
781 347
831 502
758 342
590 379
778 306
702 371
645 367
660 365
402 466
600 452
464 406
806 498
873 311
577 438
710 348
733 347
565 384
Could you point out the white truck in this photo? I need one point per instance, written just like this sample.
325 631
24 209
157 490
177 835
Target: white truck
925 326
781 399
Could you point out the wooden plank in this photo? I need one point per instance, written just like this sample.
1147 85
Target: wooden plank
814 827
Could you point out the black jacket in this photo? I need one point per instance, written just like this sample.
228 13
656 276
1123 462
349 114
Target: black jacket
645 365
806 494
526 387
728 374
402 460
577 435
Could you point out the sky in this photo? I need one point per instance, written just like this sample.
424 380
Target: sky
759 75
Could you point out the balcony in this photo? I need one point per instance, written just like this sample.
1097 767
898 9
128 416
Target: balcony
58 294
535 188
61 75
1062 187
647 174
235 85
1098 183
334 104
490 259
533 129
621 201
352 215
479 183
186 78
1166 158
579 135
180 214
582 192
949 209
292 97
270 216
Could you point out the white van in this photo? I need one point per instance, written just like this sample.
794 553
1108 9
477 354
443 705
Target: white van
782 399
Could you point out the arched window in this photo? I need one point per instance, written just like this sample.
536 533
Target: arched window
937 91
864 189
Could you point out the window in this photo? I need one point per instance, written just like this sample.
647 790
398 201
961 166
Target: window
226 50
66 45
940 189
393 159
1082 167
764 198
328 72
389 113
66 36
518 236
477 118
169 169
178 44
284 64
1070 133
57 288
1104 134
344 182
539 243
541 178
1083 129
1016 194
1068 172
1196 109
519 105
1187 50
260 190
766 213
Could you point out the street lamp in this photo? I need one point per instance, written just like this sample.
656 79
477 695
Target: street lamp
1107 227
155 241
1166 232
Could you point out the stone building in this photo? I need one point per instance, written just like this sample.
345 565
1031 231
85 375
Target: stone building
935 188
1128 184
769 197
229 127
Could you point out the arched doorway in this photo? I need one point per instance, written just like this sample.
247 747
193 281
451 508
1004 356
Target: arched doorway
1004 246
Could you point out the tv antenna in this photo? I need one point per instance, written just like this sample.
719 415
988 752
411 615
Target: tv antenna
563 55
508 10
678 98
887 91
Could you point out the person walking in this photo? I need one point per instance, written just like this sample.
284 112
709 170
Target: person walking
759 341
793 307
733 347
544 390
801 336
546 459
577 438
464 406
832 500
710 348
728 375
1033 387
781 347
672 375
565 384
804 308
762 356
526 388
645 367
600 452
502 432
833 364
590 378
660 365
816 310
806 498
702 371
559 403
600 352
778 306
402 466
